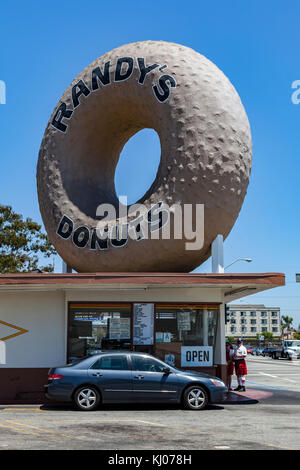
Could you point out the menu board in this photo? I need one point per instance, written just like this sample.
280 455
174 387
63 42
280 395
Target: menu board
143 323
119 328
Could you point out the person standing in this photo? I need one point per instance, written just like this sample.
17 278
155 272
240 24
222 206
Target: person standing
230 364
240 366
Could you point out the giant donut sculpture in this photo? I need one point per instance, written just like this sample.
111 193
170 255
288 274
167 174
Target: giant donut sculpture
205 154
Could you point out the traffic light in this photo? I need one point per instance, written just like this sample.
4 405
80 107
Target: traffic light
227 314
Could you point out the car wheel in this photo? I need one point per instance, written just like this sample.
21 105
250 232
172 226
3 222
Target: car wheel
87 398
195 398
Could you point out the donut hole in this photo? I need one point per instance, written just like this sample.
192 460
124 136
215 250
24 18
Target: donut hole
138 165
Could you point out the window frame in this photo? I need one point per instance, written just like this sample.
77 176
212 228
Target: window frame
151 348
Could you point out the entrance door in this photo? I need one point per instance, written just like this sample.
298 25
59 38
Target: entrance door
111 373
150 382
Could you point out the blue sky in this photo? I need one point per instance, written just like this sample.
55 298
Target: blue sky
44 45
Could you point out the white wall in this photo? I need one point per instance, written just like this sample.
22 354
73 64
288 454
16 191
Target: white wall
175 294
43 315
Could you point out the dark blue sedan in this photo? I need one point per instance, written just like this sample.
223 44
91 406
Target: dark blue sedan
124 377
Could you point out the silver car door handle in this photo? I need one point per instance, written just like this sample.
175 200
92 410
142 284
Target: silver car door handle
139 377
98 374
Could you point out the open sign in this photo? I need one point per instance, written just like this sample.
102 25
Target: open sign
196 356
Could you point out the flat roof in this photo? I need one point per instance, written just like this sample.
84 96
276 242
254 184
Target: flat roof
233 285
277 279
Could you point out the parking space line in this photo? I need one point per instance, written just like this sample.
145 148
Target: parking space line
24 431
269 375
21 409
42 429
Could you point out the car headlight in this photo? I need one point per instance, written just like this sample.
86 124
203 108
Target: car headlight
217 382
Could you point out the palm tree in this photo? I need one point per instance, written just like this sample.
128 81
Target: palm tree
286 322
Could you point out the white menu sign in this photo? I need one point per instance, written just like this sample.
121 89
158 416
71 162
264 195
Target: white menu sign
143 323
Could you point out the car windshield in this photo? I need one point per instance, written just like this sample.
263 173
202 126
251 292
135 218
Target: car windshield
293 343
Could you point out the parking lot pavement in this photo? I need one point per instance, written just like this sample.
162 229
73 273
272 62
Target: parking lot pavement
269 412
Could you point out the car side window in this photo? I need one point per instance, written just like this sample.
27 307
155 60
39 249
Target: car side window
146 364
113 362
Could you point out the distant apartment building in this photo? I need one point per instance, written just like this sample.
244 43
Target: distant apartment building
248 320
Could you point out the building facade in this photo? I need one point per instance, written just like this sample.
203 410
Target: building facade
48 320
249 320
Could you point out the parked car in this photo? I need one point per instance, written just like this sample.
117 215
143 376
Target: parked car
268 351
249 350
122 377
290 349
258 351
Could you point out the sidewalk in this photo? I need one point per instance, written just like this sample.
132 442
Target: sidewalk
251 396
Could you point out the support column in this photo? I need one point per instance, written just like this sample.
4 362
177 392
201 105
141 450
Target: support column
66 268
205 327
217 253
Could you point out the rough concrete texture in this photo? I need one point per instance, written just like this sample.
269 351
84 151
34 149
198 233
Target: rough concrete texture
205 154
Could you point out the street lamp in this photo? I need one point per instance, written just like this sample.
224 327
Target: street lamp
239 259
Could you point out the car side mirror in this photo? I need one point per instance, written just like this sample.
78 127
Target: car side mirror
167 370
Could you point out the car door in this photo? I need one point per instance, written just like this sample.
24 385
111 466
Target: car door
112 374
150 382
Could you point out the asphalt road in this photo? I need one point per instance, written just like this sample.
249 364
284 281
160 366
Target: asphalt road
267 416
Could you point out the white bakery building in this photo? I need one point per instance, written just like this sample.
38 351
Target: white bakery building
48 320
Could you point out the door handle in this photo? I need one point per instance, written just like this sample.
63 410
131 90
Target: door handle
98 374
139 376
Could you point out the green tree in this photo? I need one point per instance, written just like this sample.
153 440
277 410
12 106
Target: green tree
230 338
266 334
22 243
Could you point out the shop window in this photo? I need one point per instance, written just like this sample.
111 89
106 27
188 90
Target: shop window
97 327
178 326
